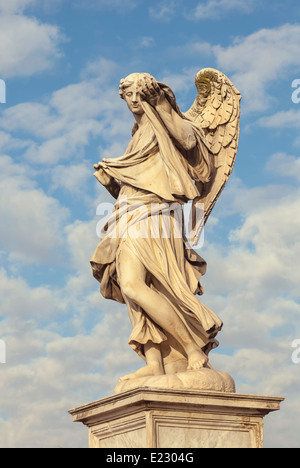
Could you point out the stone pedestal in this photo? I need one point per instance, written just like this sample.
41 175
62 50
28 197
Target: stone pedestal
169 418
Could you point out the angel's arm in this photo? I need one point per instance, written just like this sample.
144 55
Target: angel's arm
177 127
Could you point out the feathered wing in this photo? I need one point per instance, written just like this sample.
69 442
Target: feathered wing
216 110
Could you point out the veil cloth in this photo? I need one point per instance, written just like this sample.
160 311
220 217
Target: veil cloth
156 172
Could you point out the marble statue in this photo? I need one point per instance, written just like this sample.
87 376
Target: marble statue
173 158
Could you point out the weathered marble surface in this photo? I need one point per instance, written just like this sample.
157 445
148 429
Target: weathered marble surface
161 418
202 379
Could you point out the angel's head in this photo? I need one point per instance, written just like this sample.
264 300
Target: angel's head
129 90
135 79
133 86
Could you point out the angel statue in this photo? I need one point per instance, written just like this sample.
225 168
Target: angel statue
173 158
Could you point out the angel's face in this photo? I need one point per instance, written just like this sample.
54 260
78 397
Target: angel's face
133 100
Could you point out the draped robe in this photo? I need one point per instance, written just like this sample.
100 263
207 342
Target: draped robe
155 171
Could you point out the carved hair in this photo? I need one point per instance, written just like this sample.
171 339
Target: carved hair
134 78
129 81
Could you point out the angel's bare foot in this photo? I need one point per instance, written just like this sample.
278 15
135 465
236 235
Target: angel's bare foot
197 359
148 370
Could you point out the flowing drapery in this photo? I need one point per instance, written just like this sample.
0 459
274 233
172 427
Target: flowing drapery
154 171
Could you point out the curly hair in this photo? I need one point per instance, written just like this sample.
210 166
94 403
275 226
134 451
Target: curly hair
129 81
135 77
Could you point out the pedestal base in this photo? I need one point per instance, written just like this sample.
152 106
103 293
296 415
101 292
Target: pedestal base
164 418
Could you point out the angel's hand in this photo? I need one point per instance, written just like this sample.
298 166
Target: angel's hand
150 90
104 178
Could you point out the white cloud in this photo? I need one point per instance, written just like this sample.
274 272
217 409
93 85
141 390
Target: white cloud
7 142
30 117
62 350
253 285
27 46
49 373
215 9
71 178
23 315
31 221
191 49
19 6
9 7
182 82
163 11
119 6
282 119
253 282
284 165
15 6
256 61
146 42
61 127
71 372
100 68
73 115
166 10
82 241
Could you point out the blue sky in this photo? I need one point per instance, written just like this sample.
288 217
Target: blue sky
62 62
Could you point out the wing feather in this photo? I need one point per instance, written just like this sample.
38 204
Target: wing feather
216 110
